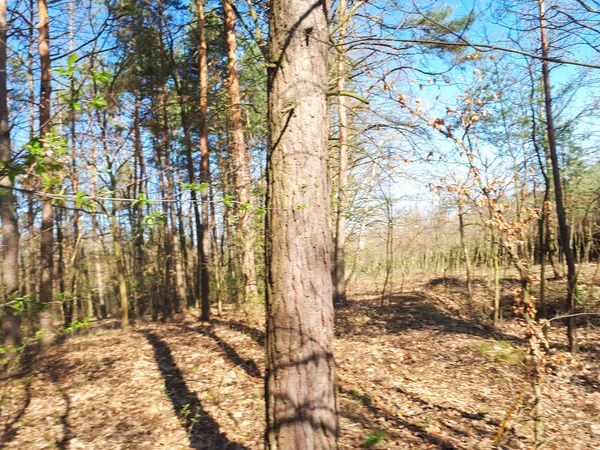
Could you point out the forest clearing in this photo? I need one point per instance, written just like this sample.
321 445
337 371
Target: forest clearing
300 224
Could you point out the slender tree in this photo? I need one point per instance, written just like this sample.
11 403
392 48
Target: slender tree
10 231
46 295
203 237
243 184
563 227
339 270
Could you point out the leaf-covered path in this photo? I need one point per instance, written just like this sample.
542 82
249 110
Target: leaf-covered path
412 375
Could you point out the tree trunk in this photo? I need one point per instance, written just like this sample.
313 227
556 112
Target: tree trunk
243 185
339 268
203 237
181 295
122 280
463 244
300 379
558 192
46 296
10 232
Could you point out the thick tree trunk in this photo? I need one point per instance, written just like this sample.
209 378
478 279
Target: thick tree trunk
46 296
10 232
300 380
558 192
339 268
243 184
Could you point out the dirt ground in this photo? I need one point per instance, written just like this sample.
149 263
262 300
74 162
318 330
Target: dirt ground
413 374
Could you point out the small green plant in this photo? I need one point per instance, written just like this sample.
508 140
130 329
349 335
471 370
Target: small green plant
376 437
190 418
502 351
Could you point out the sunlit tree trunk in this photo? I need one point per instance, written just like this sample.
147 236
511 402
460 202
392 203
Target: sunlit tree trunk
170 194
46 295
243 184
465 249
563 227
300 378
339 268
204 243
10 232
121 278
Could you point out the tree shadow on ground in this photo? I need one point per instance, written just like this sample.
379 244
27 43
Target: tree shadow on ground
257 335
416 430
202 430
411 311
247 365
10 428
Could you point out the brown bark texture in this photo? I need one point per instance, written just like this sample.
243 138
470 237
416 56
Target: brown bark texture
204 243
10 232
300 379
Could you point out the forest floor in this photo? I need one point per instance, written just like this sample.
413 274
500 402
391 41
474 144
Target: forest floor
413 374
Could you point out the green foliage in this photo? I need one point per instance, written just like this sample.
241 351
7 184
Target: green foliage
154 218
190 418
227 201
142 200
68 71
197 187
501 351
43 155
14 353
99 102
102 77
438 25
75 325
376 437
82 199
19 303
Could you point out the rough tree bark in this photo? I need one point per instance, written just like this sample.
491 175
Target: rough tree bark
300 378
10 231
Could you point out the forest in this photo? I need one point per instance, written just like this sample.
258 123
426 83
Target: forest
300 224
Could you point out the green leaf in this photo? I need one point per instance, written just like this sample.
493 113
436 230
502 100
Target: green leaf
99 102
72 60
227 201
102 77
60 70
